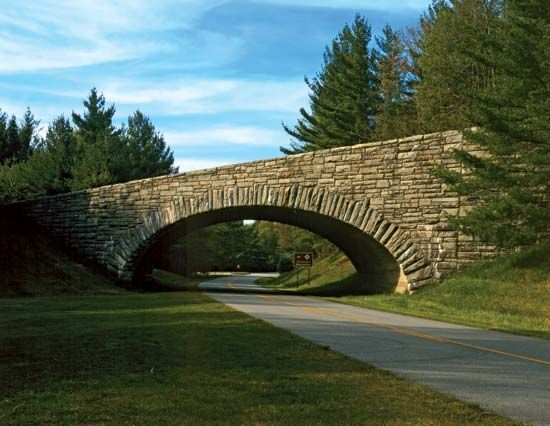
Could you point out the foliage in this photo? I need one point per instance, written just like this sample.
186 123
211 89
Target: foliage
17 141
285 264
509 294
396 114
344 95
146 152
258 246
452 40
511 186
95 152
99 147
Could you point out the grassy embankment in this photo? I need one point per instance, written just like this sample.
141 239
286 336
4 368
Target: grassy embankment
32 264
332 275
181 358
511 293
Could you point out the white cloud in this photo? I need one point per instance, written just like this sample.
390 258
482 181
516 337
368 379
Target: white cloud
45 34
189 164
236 135
209 96
382 5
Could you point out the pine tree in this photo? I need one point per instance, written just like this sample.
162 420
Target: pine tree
449 76
147 153
28 137
97 118
343 98
60 143
397 115
3 137
511 186
13 143
100 150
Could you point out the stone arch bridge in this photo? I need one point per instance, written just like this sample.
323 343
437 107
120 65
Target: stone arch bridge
379 202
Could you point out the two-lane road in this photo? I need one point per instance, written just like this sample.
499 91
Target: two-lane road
505 373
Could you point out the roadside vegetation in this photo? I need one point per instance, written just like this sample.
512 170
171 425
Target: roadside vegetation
34 264
510 293
332 275
182 358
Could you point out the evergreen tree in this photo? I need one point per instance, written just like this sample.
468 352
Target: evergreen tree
27 135
397 115
60 143
511 186
100 150
13 142
344 95
4 150
147 153
97 117
449 75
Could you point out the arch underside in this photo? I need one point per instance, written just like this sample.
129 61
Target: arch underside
383 254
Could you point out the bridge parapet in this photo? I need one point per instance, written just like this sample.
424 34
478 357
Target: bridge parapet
386 190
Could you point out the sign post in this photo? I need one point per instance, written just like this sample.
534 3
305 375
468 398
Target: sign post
304 259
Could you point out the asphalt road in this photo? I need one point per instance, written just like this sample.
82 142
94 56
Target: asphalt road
501 372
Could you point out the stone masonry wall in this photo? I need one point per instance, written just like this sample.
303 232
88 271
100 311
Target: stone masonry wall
395 177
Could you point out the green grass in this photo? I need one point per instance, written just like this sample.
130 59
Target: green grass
33 264
510 294
181 358
332 275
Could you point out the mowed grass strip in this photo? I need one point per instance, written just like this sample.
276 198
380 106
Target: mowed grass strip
330 276
181 358
511 293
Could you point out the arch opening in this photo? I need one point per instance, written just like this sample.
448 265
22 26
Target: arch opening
376 266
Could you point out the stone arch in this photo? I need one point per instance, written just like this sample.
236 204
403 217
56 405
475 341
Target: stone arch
373 236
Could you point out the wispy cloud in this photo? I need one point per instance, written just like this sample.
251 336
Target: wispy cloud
209 96
385 5
219 75
238 135
45 34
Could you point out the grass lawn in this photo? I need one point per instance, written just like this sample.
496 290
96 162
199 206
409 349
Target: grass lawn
181 358
510 294
332 275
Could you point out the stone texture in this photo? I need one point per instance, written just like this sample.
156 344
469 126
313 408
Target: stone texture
384 189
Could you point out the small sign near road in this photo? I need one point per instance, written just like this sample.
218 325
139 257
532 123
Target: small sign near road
303 259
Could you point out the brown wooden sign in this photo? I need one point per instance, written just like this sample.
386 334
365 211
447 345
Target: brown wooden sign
303 259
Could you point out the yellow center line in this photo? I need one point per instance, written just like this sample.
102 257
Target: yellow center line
230 284
354 318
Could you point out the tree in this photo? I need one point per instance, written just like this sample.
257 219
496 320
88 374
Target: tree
396 116
510 186
147 153
97 117
60 143
27 135
100 150
13 142
452 36
343 98
4 149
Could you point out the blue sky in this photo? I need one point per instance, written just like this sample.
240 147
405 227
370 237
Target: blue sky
216 77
